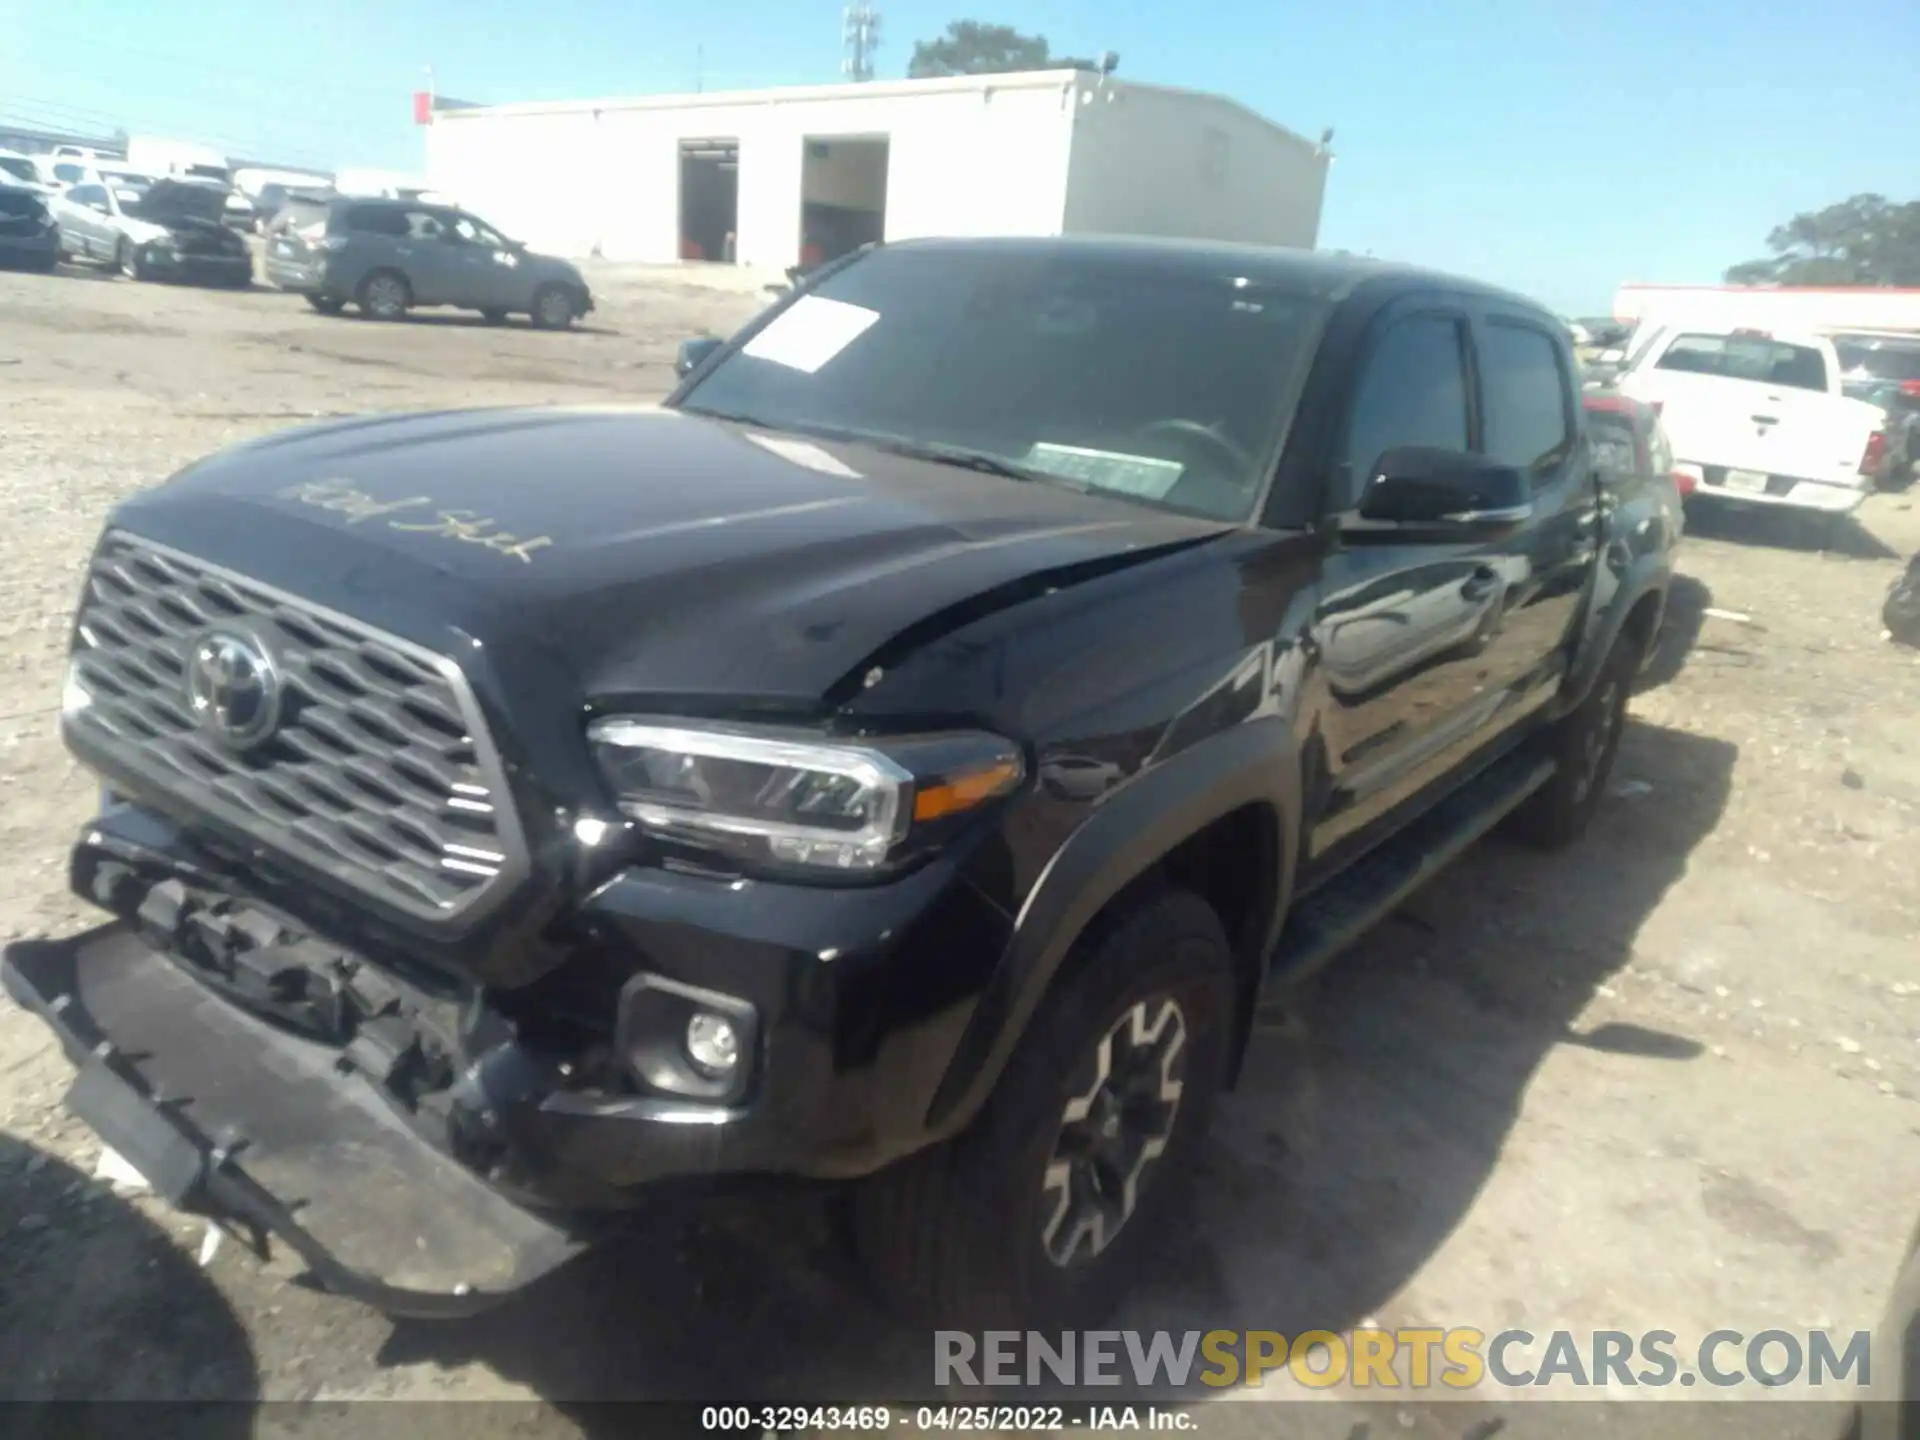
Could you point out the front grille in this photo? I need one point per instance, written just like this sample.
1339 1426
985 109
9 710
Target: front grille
380 772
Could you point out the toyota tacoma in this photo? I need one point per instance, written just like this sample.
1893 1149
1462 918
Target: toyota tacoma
908 758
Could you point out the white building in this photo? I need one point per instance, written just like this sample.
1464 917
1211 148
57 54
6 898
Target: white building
1830 309
773 177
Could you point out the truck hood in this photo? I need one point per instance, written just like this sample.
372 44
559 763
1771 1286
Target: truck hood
177 202
638 552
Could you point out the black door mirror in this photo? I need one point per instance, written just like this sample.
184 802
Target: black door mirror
694 353
1444 489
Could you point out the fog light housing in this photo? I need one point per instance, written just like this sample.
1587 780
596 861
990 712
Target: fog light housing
712 1044
687 1041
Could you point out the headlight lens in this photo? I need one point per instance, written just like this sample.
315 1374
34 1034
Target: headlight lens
763 796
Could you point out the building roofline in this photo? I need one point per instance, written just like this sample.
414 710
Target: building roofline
867 90
775 95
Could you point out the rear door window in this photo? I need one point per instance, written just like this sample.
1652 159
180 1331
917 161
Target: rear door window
1528 403
1746 357
377 220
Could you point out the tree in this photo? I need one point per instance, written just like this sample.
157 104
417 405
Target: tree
1867 240
973 47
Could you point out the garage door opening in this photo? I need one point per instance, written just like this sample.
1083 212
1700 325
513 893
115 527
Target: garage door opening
843 196
709 199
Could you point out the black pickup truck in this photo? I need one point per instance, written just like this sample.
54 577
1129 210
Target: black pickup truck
908 758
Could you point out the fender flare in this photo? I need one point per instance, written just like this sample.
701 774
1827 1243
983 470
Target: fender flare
1644 575
1121 840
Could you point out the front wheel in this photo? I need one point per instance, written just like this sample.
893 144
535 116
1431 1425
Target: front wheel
1039 1215
553 308
384 296
1583 745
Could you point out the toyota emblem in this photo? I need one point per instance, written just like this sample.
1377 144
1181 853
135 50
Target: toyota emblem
234 688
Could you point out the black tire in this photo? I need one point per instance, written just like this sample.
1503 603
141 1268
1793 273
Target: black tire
554 307
326 304
494 317
1901 613
1583 745
126 260
384 295
969 1234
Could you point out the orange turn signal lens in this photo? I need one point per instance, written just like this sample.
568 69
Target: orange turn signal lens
965 790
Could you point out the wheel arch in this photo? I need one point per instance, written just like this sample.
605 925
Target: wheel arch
1219 817
1636 607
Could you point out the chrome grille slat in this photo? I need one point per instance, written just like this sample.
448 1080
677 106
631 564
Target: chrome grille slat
381 773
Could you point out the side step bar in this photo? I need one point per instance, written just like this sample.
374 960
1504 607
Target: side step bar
1326 922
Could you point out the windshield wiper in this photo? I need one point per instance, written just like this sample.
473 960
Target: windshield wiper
982 461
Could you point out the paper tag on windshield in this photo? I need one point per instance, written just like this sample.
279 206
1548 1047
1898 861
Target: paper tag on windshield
810 333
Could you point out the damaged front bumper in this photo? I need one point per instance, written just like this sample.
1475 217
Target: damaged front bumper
271 1136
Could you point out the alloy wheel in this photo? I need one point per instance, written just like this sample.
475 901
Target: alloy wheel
556 309
1114 1131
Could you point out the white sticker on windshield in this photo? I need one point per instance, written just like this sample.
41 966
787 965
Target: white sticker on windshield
810 333
1145 477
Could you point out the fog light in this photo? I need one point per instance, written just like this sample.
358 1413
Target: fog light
712 1044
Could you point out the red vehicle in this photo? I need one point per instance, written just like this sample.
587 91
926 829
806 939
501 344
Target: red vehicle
1627 437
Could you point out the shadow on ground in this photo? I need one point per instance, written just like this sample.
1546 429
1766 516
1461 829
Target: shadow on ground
136 1320
1787 529
1362 1130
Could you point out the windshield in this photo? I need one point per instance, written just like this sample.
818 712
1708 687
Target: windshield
1747 357
1162 385
19 169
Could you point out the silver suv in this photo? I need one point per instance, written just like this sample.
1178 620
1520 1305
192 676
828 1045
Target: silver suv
388 256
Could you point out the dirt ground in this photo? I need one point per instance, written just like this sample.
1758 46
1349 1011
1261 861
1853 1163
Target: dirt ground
1665 1080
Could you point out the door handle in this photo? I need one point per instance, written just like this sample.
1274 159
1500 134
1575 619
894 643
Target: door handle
1479 585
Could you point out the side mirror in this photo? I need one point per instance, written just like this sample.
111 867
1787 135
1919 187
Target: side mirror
694 353
1444 489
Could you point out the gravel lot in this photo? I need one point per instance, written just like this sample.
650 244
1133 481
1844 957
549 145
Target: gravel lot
1665 1080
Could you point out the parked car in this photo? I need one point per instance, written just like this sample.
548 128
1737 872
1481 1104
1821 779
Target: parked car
160 230
391 256
1631 449
510 812
302 210
1885 371
60 171
29 236
1760 419
300 204
21 170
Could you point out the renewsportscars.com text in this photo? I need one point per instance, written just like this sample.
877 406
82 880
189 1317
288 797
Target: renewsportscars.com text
1403 1359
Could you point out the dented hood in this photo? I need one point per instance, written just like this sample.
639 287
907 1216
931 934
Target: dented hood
642 552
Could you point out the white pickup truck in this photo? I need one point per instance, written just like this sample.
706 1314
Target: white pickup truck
1758 417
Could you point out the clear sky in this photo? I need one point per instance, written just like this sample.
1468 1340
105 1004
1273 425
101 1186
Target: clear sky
1558 148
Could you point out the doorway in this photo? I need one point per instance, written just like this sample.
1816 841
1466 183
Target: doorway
843 195
709 199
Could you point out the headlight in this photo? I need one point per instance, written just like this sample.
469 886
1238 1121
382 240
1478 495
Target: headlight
794 800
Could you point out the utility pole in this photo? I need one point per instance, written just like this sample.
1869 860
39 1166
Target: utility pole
860 34
699 68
